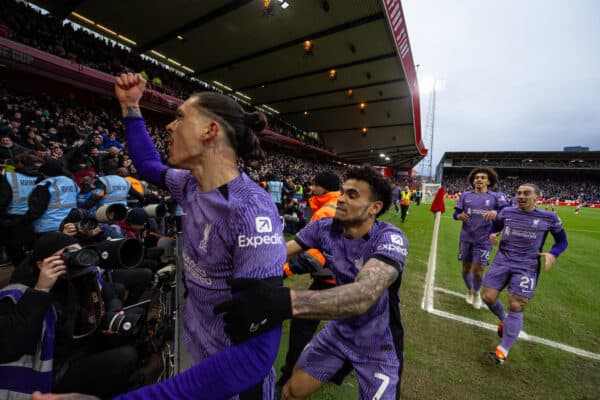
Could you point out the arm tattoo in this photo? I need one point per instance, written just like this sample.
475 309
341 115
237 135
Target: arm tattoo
346 300
133 111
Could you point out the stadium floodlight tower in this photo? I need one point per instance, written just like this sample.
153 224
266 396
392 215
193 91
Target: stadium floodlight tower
430 85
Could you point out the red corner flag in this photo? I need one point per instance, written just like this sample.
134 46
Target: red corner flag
438 203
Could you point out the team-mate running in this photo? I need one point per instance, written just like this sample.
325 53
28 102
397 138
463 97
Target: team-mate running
476 209
367 258
517 265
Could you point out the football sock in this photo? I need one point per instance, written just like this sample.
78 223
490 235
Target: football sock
476 284
468 278
498 309
512 326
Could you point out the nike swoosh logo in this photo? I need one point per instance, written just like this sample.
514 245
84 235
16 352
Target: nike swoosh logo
255 326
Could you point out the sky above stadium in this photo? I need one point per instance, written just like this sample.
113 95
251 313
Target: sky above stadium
516 75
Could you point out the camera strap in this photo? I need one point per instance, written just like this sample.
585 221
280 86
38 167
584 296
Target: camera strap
90 306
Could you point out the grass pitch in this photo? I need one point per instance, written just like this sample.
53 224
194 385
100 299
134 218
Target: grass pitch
445 359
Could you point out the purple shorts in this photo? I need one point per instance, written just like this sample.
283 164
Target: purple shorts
475 252
520 280
377 369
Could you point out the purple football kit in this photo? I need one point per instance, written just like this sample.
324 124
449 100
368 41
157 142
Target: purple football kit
474 241
371 342
517 263
233 231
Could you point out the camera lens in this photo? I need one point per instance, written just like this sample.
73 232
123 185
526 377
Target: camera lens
87 258
88 224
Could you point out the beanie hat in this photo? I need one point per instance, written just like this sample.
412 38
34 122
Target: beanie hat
328 180
49 243
52 168
136 216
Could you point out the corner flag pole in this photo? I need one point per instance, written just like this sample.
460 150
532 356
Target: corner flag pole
438 208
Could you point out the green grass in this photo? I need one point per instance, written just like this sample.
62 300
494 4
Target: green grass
445 359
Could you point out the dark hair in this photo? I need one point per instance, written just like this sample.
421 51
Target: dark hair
242 128
27 160
380 186
490 172
535 187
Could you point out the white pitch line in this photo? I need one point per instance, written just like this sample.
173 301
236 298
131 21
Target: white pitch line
522 335
457 294
427 305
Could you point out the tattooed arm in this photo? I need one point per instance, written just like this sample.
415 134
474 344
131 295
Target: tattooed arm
346 300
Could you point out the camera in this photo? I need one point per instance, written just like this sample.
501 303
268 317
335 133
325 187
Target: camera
128 323
87 224
80 258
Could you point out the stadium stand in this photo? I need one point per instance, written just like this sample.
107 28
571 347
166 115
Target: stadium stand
56 88
562 176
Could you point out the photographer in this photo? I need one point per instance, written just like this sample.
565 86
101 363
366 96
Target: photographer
70 309
82 225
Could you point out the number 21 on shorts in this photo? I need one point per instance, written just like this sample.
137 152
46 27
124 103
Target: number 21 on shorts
527 284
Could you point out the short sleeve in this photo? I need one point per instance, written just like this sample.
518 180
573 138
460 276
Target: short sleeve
176 181
501 201
309 236
259 246
556 225
391 247
459 203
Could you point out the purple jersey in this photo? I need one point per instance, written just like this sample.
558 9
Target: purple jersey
346 257
477 229
523 235
396 195
233 231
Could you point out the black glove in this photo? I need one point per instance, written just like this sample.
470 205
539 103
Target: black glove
305 263
263 305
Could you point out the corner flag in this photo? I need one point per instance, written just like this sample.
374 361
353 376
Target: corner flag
438 202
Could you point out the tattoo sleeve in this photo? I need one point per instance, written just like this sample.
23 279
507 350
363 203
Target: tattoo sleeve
346 300
133 111
130 111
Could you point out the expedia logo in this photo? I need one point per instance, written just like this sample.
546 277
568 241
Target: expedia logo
397 239
255 241
263 225
393 247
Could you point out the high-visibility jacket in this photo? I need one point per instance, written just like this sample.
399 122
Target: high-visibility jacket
405 198
22 185
63 197
323 206
135 184
116 189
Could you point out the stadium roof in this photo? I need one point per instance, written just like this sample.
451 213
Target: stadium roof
259 53
523 160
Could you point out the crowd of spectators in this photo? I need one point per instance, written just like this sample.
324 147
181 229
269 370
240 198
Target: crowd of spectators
561 187
21 23
92 138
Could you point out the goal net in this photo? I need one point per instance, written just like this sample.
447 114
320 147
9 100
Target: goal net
429 192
